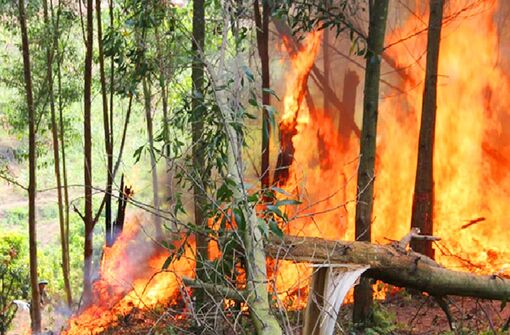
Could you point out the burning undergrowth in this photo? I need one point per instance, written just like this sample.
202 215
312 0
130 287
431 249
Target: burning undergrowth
131 277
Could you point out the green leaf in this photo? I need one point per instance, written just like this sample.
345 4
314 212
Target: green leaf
224 193
274 209
273 226
239 217
281 191
286 202
253 198
262 226
270 91
167 263
248 73
138 153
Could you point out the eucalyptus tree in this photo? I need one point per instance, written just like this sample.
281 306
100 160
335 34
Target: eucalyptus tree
32 232
87 154
52 27
262 26
108 133
423 198
378 12
197 126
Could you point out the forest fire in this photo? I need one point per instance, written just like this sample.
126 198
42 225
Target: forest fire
470 186
131 277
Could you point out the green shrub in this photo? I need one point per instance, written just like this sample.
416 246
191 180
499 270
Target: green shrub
14 280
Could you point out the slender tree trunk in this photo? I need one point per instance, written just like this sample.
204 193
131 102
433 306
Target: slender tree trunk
423 199
163 73
378 11
64 165
258 301
262 23
112 83
32 232
197 101
106 128
87 134
326 64
56 157
346 124
123 138
154 165
323 150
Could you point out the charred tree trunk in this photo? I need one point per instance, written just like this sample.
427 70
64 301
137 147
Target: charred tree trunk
197 107
378 12
262 24
106 128
87 136
124 194
50 51
423 199
346 124
324 159
326 64
152 154
32 232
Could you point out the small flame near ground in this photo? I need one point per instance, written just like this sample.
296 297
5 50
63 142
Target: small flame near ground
131 277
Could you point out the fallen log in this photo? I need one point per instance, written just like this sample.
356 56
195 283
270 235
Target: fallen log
391 265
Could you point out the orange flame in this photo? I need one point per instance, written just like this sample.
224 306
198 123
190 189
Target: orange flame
470 152
131 277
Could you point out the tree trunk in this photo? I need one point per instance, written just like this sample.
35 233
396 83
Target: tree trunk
50 50
32 232
152 153
163 73
391 265
346 124
87 136
262 24
64 165
106 128
423 199
326 63
197 82
255 258
378 12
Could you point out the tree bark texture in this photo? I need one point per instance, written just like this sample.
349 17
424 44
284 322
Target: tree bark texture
107 131
197 106
87 136
423 198
50 51
262 24
154 165
392 266
32 232
378 12
63 151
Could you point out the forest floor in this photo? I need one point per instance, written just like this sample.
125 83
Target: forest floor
402 314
